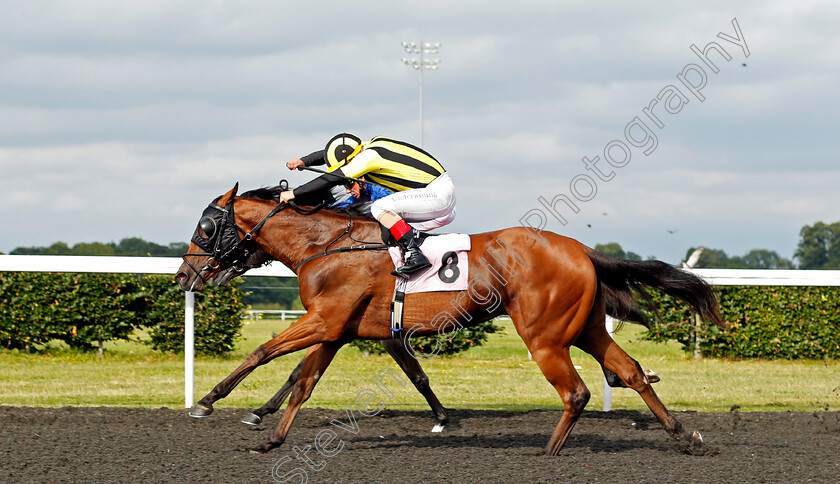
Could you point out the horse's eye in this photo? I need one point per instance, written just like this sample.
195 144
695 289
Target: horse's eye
207 226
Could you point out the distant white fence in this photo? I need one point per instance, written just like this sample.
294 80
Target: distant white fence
257 313
169 265
768 277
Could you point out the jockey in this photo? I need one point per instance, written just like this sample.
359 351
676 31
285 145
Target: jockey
424 194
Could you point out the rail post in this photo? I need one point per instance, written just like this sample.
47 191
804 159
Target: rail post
607 388
189 347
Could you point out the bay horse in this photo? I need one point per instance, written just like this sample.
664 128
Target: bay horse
554 288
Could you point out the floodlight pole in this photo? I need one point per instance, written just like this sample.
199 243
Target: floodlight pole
421 65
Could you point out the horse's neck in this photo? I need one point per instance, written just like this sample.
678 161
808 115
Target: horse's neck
291 237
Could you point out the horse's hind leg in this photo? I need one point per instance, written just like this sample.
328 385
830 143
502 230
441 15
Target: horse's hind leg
614 381
411 367
273 405
549 339
317 359
597 342
556 365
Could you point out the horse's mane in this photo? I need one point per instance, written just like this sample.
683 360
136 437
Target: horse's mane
264 193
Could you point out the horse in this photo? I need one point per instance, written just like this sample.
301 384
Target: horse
397 350
553 287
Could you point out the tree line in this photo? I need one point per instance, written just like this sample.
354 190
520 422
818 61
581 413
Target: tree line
713 258
128 247
818 248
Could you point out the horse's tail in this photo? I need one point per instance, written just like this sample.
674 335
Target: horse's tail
620 278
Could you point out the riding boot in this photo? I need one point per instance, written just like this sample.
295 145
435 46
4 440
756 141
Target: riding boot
412 255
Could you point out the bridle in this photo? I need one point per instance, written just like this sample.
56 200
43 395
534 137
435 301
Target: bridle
222 241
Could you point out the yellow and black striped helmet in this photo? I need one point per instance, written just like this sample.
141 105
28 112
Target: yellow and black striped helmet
342 147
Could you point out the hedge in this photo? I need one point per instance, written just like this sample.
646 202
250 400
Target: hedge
87 310
764 322
460 341
218 317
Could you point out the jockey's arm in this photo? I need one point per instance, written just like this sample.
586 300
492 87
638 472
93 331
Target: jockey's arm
323 182
313 159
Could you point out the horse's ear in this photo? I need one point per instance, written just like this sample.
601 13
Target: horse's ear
227 197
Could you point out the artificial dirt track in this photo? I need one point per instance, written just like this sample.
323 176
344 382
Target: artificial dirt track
165 445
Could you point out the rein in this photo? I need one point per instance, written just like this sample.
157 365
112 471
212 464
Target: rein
352 248
348 178
340 250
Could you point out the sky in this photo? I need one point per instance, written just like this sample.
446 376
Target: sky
124 119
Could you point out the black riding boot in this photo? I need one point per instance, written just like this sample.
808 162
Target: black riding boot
413 257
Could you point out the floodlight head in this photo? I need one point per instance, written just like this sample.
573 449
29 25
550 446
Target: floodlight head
431 48
411 47
411 62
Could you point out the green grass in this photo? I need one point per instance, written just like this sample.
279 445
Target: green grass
495 376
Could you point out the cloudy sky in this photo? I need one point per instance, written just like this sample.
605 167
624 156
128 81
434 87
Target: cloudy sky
124 119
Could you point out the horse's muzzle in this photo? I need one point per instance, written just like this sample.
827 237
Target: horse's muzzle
188 279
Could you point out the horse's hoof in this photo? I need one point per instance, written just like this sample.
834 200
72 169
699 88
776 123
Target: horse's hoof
652 377
263 448
251 419
200 411
438 428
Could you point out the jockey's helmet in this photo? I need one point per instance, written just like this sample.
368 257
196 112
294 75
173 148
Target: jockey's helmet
341 148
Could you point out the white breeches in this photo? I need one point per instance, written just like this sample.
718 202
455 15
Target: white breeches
425 208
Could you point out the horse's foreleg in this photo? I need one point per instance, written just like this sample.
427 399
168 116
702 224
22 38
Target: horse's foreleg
549 335
273 405
309 330
317 359
411 367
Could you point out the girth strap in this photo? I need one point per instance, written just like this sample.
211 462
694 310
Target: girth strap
397 304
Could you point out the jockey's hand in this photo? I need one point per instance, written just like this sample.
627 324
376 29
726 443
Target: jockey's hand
287 196
294 163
